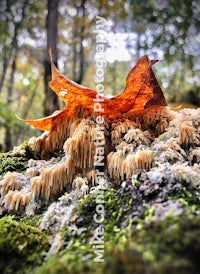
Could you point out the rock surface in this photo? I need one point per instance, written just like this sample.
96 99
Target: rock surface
147 223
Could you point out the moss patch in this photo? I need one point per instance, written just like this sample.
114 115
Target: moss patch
133 242
33 221
21 246
159 247
137 239
17 161
11 163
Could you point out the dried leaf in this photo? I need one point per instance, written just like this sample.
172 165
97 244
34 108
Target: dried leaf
141 91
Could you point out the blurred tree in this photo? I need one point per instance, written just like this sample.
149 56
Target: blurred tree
51 99
78 36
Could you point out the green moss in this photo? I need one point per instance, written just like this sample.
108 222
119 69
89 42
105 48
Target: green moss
169 246
189 197
21 246
18 163
133 243
115 209
11 163
33 221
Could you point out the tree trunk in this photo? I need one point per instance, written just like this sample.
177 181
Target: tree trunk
7 51
81 53
8 130
78 50
51 100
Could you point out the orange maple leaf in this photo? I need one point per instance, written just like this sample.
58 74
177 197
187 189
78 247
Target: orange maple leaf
141 91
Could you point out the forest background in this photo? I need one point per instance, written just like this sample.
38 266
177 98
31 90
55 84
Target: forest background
168 30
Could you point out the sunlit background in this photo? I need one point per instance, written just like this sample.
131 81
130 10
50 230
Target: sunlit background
168 30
